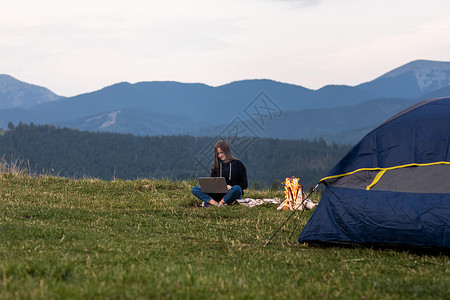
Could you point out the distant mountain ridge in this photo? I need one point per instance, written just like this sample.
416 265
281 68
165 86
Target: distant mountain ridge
411 80
17 94
137 122
430 75
338 113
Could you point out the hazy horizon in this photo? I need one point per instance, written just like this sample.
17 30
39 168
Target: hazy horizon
77 47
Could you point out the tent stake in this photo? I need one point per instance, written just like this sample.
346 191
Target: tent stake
273 235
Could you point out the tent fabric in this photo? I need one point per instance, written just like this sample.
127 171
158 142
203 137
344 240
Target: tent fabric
360 216
424 178
393 186
420 135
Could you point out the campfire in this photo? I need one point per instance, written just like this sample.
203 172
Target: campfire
294 196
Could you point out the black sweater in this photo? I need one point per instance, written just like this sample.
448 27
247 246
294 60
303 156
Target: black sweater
236 176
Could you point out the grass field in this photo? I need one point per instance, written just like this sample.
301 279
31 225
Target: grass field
149 239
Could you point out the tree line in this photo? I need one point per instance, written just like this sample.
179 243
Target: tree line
76 154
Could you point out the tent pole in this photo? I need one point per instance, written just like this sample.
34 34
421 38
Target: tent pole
273 235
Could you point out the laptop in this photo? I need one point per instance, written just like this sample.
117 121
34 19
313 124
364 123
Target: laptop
213 184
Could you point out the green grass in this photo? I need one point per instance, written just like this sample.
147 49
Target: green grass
145 239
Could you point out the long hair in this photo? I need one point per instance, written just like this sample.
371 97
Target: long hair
225 149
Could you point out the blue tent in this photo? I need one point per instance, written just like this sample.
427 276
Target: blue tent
393 187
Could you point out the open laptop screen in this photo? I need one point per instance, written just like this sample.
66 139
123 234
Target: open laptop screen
213 184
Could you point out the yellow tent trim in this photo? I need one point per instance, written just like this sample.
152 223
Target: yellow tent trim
377 178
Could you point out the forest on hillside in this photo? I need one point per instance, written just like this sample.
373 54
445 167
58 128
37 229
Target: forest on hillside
49 150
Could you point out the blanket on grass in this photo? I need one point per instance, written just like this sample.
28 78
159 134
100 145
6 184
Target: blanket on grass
250 202
254 202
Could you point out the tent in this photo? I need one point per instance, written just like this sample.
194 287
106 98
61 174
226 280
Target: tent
393 187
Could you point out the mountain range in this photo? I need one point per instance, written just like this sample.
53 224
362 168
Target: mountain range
15 93
255 108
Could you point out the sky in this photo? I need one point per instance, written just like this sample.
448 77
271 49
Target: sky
79 46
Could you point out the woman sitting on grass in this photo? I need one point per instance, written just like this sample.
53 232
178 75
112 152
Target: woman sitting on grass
225 165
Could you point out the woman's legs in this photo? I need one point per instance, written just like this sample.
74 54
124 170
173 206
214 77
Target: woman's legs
198 192
234 193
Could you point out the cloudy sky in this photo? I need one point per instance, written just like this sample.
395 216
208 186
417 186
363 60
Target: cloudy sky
78 46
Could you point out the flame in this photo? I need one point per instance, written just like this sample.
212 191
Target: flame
293 192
